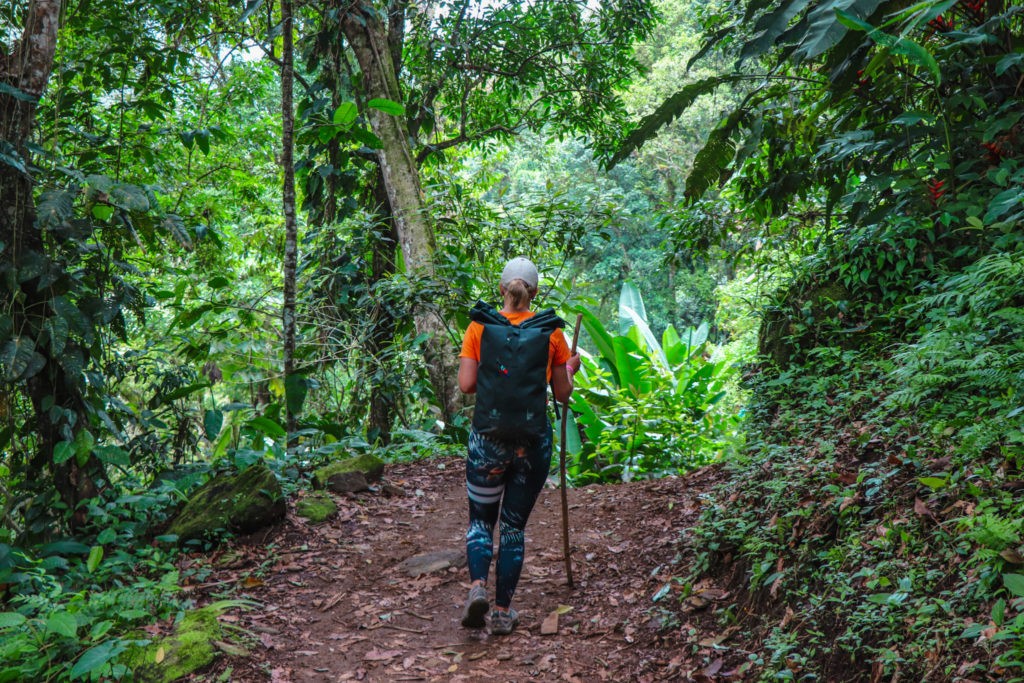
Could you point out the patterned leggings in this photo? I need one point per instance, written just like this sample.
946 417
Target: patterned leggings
503 478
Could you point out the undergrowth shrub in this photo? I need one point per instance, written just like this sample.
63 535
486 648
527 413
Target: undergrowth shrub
862 538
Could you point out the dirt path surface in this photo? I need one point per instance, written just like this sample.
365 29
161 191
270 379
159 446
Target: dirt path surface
375 594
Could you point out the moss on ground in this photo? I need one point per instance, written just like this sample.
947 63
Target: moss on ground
316 507
190 649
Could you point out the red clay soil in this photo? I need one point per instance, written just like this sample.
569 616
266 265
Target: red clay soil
339 601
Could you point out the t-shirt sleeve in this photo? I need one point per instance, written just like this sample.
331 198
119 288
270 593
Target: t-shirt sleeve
559 349
471 341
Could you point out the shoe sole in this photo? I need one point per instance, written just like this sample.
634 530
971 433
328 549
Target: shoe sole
473 616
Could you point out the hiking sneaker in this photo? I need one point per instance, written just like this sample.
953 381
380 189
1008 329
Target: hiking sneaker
476 607
502 623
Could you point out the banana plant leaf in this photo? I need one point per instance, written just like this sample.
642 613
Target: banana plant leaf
654 348
631 307
602 340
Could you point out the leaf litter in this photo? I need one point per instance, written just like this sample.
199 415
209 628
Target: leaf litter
338 602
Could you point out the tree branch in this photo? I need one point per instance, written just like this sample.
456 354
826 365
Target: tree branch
463 137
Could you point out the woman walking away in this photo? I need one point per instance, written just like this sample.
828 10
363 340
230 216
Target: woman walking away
508 359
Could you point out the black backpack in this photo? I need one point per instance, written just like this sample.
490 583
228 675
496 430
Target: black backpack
511 383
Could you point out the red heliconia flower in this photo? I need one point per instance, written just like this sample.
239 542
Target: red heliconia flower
936 188
941 24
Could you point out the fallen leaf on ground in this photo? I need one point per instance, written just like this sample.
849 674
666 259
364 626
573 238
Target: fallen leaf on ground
381 655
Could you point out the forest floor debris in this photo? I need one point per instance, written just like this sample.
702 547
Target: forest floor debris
337 600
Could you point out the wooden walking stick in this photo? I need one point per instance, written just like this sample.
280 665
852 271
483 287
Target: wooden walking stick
565 499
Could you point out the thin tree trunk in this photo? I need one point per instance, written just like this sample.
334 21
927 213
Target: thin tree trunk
382 396
366 35
288 193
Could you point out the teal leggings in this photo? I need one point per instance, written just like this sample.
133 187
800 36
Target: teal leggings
502 479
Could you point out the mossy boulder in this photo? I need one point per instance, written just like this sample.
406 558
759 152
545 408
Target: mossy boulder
351 474
242 502
189 649
316 507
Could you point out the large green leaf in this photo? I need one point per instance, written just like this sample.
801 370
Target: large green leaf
94 659
11 156
630 362
16 93
53 208
769 27
630 297
182 392
1004 202
825 31
666 113
695 336
1015 584
62 623
267 426
76 320
295 389
650 341
213 420
601 339
672 345
57 330
63 451
726 31
386 106
367 138
129 198
899 45
593 426
11 619
95 557
710 163
345 115
18 358
573 443
112 455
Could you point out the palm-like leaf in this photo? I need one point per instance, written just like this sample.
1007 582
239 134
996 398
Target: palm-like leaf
711 161
770 27
825 31
669 110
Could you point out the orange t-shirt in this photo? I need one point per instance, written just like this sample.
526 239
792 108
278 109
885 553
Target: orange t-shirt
558 349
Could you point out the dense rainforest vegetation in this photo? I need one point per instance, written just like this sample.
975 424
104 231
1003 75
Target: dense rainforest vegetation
243 235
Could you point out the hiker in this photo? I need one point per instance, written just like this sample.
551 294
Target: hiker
508 359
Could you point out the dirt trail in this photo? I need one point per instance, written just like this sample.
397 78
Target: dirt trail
343 600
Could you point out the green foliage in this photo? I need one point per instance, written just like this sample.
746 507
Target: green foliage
559 65
964 375
648 408
74 605
669 110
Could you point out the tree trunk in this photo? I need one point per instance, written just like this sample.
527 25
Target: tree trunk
290 225
382 394
367 36
55 395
